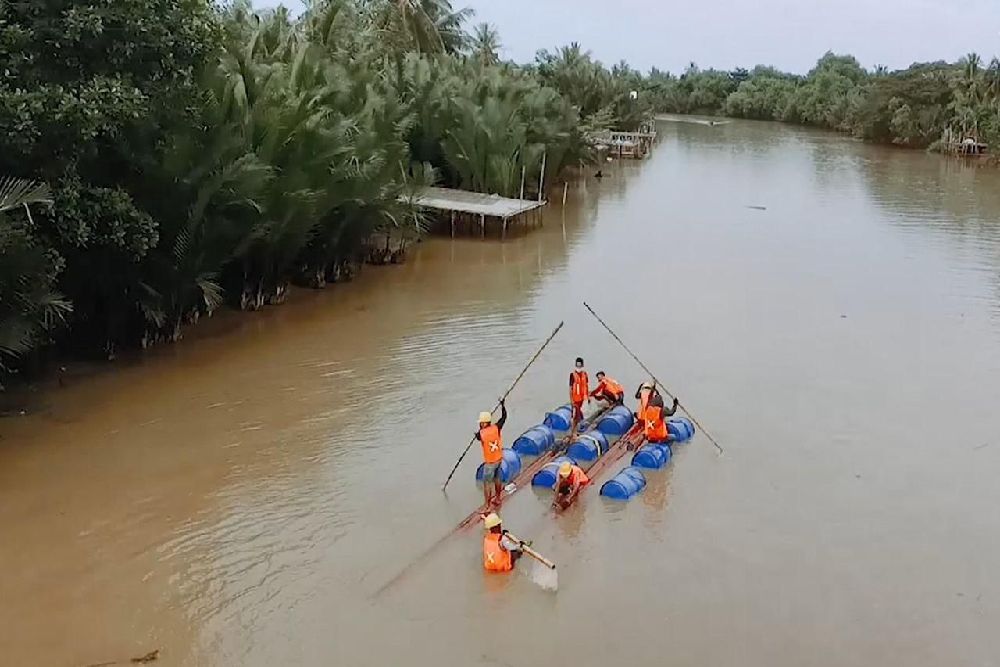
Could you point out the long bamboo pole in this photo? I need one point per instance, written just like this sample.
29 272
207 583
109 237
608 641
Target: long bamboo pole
660 384
503 398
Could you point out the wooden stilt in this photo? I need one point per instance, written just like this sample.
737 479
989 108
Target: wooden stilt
541 178
565 191
452 224
482 225
503 234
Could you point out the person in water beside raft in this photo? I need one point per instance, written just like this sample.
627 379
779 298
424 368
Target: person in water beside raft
571 479
654 420
579 391
491 440
608 390
500 552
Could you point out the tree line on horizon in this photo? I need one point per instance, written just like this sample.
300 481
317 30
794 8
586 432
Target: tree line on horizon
160 159
926 105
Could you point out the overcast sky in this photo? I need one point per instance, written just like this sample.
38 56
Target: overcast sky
790 34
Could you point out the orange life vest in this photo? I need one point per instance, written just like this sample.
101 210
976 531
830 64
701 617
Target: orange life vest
577 478
495 557
612 387
654 426
579 390
492 443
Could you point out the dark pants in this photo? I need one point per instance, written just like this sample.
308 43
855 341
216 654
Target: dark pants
609 397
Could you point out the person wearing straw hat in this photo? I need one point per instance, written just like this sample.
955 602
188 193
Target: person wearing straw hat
654 419
500 552
572 478
489 437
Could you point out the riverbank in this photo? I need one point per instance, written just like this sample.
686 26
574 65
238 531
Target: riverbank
713 120
913 107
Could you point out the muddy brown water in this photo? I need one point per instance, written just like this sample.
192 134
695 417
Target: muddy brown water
238 498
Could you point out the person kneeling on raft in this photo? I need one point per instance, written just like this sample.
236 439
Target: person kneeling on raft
608 390
643 394
500 552
654 419
489 437
572 478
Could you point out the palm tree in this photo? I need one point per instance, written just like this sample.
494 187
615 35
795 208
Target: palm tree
424 26
485 44
29 306
992 76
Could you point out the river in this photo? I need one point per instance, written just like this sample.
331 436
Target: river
238 498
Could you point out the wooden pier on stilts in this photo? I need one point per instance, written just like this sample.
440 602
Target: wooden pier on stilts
468 209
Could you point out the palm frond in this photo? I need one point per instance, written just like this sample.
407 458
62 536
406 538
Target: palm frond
18 192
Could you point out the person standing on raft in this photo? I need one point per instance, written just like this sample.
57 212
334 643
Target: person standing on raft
492 442
579 391
608 390
572 478
500 552
654 420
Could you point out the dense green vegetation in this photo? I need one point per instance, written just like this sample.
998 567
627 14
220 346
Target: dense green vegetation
162 158
919 106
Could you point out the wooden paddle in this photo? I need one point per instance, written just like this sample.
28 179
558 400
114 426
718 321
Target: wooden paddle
531 552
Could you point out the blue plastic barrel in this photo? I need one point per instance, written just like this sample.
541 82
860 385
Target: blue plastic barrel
560 419
624 485
652 456
510 466
617 422
588 446
547 475
680 429
535 440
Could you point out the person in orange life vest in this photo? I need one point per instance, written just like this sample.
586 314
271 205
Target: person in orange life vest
608 390
489 437
645 391
654 419
500 552
571 480
579 390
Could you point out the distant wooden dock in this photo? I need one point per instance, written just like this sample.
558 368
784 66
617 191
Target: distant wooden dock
635 145
969 148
